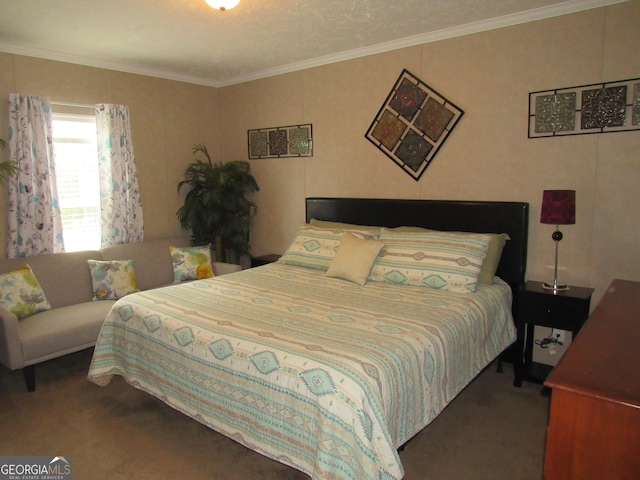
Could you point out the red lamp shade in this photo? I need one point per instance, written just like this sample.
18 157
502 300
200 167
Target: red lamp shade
558 207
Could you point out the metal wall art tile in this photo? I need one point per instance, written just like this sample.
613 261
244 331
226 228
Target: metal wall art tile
278 142
596 108
635 115
412 124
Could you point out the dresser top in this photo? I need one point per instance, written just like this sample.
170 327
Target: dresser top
604 359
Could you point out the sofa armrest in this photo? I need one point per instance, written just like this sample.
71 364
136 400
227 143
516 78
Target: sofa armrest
221 268
10 344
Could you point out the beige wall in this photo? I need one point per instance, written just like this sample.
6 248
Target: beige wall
167 119
488 156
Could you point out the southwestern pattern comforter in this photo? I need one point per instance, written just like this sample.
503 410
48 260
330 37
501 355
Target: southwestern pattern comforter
318 373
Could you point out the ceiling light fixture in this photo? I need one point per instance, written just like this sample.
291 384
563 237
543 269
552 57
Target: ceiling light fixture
223 5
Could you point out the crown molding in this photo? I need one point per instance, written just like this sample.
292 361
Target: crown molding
104 64
571 6
533 15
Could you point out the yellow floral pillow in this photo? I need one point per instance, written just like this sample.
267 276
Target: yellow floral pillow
21 293
191 263
112 279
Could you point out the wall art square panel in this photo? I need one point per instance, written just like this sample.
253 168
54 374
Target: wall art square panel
388 130
412 124
595 108
635 115
556 113
300 140
259 144
277 142
604 107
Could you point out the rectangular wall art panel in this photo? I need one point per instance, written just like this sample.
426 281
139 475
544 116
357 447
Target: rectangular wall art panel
290 141
596 108
412 124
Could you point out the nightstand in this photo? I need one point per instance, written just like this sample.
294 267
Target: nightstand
563 310
264 260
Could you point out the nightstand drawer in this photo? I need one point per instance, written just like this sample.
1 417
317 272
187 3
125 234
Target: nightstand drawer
557 312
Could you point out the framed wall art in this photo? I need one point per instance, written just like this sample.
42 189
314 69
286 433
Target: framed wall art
596 108
412 124
277 142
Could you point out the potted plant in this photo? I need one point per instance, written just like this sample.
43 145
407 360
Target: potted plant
216 207
6 168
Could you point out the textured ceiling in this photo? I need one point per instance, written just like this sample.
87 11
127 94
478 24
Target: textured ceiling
188 40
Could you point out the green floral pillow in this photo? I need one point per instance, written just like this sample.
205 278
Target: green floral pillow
112 279
191 263
21 293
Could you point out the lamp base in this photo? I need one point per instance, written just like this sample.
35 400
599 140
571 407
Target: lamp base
555 288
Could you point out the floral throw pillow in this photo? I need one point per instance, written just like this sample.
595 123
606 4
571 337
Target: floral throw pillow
191 263
21 293
112 279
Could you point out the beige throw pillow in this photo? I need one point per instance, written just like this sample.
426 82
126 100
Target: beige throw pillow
354 259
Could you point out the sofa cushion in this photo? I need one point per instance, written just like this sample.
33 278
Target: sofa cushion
21 293
64 277
151 259
112 279
62 330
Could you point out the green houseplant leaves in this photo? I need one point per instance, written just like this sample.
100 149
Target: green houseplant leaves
216 207
6 168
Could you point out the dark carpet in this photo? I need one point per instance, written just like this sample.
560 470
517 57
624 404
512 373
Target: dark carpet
491 431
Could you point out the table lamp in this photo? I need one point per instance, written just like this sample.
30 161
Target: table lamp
558 208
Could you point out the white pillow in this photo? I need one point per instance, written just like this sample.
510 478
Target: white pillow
442 260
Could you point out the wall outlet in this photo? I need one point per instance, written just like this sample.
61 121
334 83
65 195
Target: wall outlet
558 335
544 355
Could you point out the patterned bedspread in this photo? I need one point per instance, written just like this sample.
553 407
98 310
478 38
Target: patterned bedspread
323 375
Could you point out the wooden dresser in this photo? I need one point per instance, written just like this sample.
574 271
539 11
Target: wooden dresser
594 421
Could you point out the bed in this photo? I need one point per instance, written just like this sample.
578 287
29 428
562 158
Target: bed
325 374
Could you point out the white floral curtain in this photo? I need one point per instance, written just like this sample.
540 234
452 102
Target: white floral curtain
35 224
121 209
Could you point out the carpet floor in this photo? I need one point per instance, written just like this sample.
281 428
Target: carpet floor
491 431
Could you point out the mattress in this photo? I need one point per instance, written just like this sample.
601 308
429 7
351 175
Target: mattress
318 373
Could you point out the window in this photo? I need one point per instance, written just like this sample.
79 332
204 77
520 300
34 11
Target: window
74 140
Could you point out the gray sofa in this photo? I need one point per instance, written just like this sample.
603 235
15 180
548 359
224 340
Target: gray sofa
74 321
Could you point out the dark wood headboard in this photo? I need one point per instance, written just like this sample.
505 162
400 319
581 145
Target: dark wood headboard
448 215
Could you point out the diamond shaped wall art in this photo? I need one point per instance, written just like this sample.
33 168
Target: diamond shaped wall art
412 124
